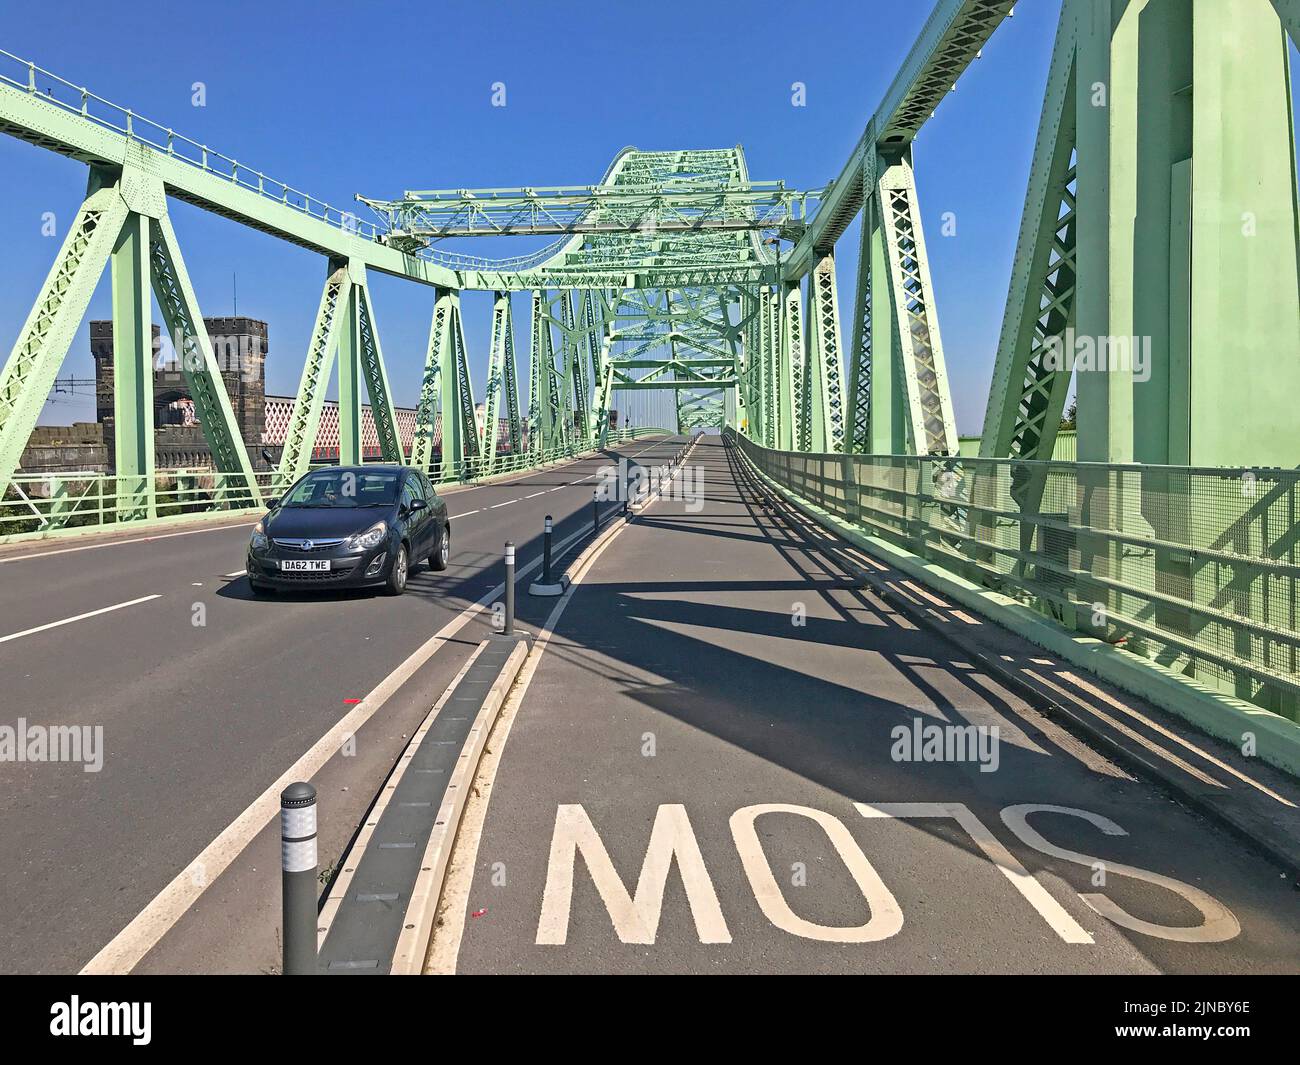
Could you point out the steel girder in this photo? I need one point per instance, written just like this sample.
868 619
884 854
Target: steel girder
420 218
428 410
576 388
446 406
823 373
345 328
543 392
933 428
858 397
133 413
123 218
1289 12
948 43
182 318
501 389
460 435
1029 389
43 342
375 375
1112 257
300 438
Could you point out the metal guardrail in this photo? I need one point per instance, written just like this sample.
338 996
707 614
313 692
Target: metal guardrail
37 81
1197 568
39 505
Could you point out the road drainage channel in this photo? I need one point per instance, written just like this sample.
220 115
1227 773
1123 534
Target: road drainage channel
378 916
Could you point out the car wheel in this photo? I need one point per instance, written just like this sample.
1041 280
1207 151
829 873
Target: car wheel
396 583
439 559
260 589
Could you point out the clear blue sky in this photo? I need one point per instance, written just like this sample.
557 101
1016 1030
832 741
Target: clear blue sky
375 98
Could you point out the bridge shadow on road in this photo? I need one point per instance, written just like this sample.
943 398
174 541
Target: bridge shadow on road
745 631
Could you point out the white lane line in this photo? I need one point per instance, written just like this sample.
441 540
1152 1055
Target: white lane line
467 513
79 617
507 503
124 951
119 543
536 494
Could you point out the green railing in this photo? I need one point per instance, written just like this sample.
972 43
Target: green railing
1193 567
37 505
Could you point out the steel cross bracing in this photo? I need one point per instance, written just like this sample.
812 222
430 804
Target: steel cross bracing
662 278
421 218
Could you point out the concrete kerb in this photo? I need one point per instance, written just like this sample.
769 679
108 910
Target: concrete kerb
417 927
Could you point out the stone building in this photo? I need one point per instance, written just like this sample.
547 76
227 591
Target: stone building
239 346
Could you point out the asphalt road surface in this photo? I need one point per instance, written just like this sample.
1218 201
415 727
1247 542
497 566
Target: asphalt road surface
206 696
704 776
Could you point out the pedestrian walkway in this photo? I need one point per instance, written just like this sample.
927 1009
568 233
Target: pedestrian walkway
734 756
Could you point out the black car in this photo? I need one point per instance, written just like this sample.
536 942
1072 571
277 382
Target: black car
350 527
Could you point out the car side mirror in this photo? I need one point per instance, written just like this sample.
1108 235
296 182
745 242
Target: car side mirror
272 502
418 504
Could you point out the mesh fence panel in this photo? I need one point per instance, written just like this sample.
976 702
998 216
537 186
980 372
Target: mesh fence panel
1194 567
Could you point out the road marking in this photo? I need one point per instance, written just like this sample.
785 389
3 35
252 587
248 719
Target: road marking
885 917
505 504
454 903
78 617
119 543
124 951
237 573
1051 911
635 917
1218 923
536 494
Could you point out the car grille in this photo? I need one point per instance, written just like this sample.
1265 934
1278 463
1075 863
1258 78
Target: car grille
297 544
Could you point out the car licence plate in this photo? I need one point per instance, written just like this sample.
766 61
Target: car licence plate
309 564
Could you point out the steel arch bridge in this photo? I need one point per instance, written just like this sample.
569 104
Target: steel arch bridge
1160 211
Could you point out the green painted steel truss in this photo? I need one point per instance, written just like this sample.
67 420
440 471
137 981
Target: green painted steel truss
677 272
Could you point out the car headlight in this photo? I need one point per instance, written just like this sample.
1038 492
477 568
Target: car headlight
364 541
259 542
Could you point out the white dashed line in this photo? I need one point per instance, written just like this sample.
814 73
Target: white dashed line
79 617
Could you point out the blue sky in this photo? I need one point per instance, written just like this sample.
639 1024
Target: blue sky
337 99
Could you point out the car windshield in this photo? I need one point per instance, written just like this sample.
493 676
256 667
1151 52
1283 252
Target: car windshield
343 489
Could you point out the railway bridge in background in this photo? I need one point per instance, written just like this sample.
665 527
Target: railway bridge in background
1140 594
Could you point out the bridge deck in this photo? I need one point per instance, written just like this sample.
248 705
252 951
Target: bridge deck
199 719
677 676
